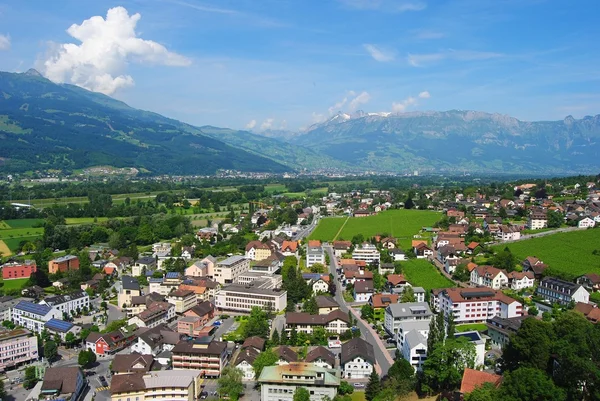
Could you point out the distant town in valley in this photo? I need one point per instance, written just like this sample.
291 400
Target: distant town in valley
365 287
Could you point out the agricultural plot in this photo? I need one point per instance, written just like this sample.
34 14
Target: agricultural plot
569 252
401 224
4 249
14 232
15 284
21 223
421 273
327 228
275 187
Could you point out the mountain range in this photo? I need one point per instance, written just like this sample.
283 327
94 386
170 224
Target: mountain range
44 126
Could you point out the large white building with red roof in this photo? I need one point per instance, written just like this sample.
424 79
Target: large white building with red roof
471 305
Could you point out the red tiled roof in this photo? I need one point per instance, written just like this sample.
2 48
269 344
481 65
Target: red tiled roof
383 300
475 378
395 279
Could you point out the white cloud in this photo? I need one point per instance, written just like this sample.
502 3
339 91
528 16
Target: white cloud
251 124
378 53
362 98
4 42
417 60
399 107
107 46
267 124
283 125
398 6
339 105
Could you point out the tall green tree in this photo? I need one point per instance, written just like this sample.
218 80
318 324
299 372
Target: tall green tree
266 358
275 339
301 394
485 392
293 336
310 306
86 358
530 347
50 350
230 383
444 367
373 386
408 294
529 384
257 324
366 312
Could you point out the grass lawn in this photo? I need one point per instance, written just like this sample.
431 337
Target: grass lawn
13 243
471 327
401 224
21 223
4 249
421 273
358 396
569 252
275 188
15 284
84 220
327 228
4 226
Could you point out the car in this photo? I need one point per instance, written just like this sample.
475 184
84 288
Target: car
102 381
359 385
203 395
217 323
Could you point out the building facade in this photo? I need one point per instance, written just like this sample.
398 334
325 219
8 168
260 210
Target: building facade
474 305
562 292
11 271
243 298
209 358
279 383
63 264
227 271
17 347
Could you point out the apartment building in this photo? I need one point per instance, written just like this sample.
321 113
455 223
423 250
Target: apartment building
11 271
489 276
334 322
63 383
33 316
367 252
157 313
63 264
7 303
164 385
17 347
105 344
242 298
279 382
60 328
314 253
143 265
474 305
227 271
130 287
562 292
256 250
203 355
411 341
407 311
537 221
155 340
183 300
499 330
68 303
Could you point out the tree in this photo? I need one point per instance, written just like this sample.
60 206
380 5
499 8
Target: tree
257 324
502 213
529 384
530 347
444 367
450 326
70 339
86 358
275 337
310 306
408 203
533 311
485 392
8 324
230 383
317 268
301 394
30 377
2 390
373 387
266 358
50 350
366 312
504 260
461 273
345 388
293 336
555 218
400 377
408 294
104 305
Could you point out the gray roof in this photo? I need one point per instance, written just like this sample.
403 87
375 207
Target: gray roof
357 347
414 338
251 289
231 260
61 299
408 309
130 283
146 260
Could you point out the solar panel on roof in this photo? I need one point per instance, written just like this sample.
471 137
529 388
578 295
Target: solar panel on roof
33 308
472 336
172 275
385 299
478 294
58 325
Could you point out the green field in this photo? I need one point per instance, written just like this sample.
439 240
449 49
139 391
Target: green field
15 284
84 220
13 232
327 228
401 224
421 273
461 328
21 223
275 188
569 252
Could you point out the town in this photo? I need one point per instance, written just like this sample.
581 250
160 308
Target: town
342 290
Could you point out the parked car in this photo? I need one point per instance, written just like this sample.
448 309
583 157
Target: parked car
203 395
359 385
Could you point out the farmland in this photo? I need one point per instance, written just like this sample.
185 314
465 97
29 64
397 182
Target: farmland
14 232
15 284
569 252
401 224
421 273
327 228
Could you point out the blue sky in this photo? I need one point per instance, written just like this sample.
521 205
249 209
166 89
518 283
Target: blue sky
287 64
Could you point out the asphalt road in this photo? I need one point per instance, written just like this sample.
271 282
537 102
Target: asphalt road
305 232
381 354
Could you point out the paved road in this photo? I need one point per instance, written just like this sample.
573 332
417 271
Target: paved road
306 230
543 234
383 357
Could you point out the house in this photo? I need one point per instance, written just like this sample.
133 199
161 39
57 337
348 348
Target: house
289 248
533 264
142 265
388 243
457 214
386 268
475 338
520 280
204 311
279 383
363 290
183 300
205 355
141 303
354 274
590 311
422 251
66 383
326 304
489 276
367 252
157 385
449 257
256 250
357 359
33 316
397 254
590 281
104 344
322 357
314 253
537 220
474 247
499 329
244 360
17 339
334 322
254 342
202 268
381 301
586 222
508 233
60 328
286 355
156 340
63 264
472 305
68 303
321 285
411 341
555 290
15 270
130 287
396 283
473 379
396 313
34 291
341 247
131 363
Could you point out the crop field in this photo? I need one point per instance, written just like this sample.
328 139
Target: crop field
327 228
315 191
401 224
4 249
20 223
13 232
421 273
569 252
275 188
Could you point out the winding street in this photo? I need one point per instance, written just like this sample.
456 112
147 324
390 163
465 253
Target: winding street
382 356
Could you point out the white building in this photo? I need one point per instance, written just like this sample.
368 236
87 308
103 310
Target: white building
69 302
33 316
357 359
363 290
242 298
489 276
314 253
226 271
478 341
244 361
334 322
319 286
367 252
537 221
508 233
411 341
562 292
474 305
279 383
521 280
155 340
407 311
586 223
156 314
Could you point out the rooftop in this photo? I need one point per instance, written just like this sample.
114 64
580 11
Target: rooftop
231 260
309 374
